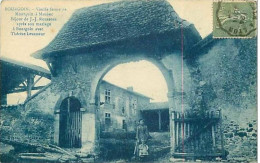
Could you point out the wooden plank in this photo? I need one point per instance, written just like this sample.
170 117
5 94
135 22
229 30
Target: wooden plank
196 154
80 130
30 81
32 154
188 134
180 135
159 120
174 143
213 137
69 124
177 134
72 129
221 134
75 128
34 83
17 90
53 72
196 119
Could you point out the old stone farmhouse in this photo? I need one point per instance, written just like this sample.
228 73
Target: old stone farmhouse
120 108
211 82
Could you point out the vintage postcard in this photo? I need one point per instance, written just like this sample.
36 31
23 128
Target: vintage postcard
128 81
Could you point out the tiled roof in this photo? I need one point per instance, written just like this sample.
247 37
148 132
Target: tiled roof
111 22
26 66
156 106
129 91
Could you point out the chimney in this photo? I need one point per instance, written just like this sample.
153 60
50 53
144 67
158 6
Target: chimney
130 88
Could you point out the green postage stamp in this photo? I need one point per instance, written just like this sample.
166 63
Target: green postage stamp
234 19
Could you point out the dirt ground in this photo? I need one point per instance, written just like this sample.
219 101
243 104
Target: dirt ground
114 150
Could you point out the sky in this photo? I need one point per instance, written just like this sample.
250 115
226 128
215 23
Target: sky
145 78
143 75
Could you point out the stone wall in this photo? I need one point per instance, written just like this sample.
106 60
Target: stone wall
228 71
241 140
19 123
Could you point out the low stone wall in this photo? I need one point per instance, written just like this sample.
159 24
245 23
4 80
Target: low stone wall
33 126
240 141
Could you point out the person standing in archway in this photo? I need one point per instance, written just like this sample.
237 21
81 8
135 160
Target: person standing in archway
142 135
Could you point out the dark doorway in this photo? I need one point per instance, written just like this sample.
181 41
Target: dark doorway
156 120
70 123
124 125
107 121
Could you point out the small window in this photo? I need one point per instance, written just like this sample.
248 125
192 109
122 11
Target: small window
107 115
107 119
107 95
134 106
124 125
123 110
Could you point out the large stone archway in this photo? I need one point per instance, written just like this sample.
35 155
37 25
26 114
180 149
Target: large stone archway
80 56
171 71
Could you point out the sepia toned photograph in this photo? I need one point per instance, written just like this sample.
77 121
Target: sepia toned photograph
128 81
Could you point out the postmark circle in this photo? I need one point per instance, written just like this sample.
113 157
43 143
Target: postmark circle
236 18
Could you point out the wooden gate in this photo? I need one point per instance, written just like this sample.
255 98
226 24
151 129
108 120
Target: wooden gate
70 123
197 137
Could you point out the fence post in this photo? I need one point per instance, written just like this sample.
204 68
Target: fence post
221 132
177 130
173 143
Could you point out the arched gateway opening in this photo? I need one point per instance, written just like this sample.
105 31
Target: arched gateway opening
166 73
70 123
121 106
125 100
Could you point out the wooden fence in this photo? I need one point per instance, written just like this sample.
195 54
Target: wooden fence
197 136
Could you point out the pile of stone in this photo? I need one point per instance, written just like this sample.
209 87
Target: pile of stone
29 152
